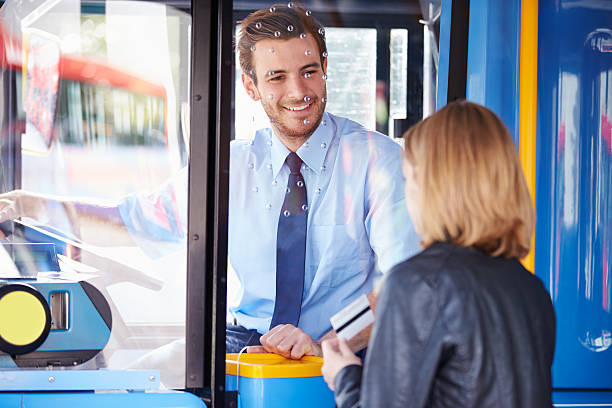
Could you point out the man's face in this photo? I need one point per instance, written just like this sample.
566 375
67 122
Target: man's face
290 85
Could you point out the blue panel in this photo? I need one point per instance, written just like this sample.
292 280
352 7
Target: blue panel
77 380
10 400
493 58
574 185
86 328
444 47
303 392
105 400
6 361
584 399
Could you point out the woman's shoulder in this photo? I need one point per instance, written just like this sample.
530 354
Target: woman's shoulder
420 274
448 264
450 269
427 265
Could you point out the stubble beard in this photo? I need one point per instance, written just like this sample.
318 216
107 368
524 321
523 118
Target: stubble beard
285 131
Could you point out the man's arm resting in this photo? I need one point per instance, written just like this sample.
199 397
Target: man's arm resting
291 342
82 213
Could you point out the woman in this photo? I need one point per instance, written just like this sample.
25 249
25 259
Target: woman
462 324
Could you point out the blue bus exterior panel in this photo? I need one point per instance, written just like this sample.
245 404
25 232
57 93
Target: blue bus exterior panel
573 246
493 59
164 399
578 399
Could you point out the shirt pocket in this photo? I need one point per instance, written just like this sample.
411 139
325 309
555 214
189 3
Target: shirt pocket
336 254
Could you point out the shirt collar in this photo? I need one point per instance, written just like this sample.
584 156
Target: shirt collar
312 152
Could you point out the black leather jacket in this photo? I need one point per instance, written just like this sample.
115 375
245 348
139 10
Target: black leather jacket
456 328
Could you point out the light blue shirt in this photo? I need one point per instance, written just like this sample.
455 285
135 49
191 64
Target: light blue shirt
357 227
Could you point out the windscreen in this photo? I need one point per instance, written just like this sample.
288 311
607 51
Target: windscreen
94 143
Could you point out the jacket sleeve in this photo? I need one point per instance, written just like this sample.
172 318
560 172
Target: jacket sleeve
348 387
406 343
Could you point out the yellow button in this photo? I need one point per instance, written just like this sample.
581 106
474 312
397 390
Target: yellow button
22 318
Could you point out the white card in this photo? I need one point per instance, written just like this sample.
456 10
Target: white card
352 319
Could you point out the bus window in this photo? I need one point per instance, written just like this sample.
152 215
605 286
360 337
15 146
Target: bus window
93 114
108 188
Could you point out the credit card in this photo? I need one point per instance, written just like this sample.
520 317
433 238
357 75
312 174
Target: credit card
352 319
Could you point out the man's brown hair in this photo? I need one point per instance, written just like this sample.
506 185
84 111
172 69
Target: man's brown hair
278 22
472 190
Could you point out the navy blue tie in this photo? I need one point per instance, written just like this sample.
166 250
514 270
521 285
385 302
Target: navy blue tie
291 248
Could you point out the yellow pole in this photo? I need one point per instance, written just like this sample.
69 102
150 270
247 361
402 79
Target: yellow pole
528 97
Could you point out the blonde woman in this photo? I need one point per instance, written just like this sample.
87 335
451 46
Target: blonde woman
462 324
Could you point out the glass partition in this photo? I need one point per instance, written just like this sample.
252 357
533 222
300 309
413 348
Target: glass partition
94 141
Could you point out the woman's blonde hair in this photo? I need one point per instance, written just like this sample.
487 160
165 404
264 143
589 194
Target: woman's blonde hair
472 191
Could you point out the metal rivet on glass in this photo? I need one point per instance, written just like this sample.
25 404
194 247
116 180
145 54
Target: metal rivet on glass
268 206
277 34
290 28
323 145
303 36
318 191
323 167
274 183
286 213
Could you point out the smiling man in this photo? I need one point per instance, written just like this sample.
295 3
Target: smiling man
317 210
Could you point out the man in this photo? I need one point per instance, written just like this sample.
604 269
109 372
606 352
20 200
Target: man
316 202
348 181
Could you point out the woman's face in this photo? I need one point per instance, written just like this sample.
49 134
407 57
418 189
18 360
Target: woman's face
412 192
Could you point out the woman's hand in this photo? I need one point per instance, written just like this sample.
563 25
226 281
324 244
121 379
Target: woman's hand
336 355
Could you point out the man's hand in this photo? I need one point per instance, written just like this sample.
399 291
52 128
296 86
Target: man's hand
336 355
288 341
